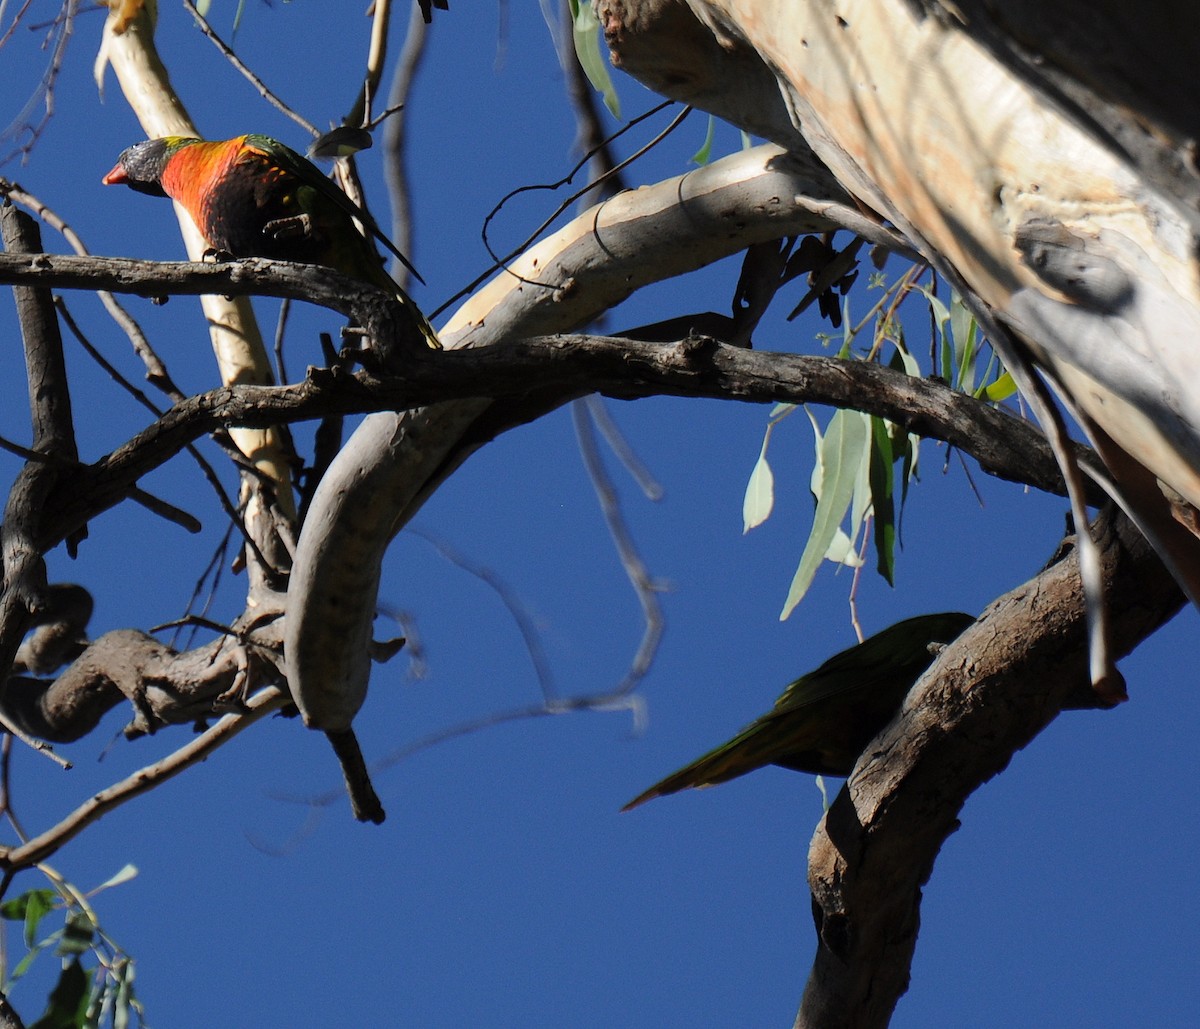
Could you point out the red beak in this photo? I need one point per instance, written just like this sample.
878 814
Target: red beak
115 176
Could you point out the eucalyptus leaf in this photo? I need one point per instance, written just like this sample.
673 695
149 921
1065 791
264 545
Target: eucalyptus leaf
839 452
843 550
882 491
1001 389
127 873
585 33
759 500
704 154
68 1000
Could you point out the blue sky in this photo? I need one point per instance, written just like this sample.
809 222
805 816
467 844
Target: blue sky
505 889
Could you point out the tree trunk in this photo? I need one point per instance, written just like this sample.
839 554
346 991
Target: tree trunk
1057 183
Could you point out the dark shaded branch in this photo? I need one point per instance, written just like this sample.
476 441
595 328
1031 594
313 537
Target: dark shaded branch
988 695
163 686
25 591
566 367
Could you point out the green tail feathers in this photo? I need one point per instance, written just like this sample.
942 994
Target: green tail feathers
824 720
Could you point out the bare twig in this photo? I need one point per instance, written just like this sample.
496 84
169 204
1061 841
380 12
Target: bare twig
152 503
504 262
582 163
395 139
603 421
516 609
144 779
156 371
249 75
644 585
58 30
213 569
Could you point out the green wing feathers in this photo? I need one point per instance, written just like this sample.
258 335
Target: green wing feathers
824 720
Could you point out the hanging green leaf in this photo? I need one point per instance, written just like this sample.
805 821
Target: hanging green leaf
1001 389
860 505
941 324
910 453
30 907
965 335
847 330
882 486
585 32
759 500
704 154
77 934
67 1004
839 456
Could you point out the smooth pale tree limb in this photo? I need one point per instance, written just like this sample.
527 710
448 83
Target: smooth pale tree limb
393 462
128 47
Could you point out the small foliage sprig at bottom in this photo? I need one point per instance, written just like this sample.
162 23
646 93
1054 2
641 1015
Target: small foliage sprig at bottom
85 996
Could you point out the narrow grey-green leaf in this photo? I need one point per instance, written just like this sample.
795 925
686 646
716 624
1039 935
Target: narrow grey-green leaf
759 500
839 451
123 876
585 33
704 154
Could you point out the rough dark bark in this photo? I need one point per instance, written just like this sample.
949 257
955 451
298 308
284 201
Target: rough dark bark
24 572
988 695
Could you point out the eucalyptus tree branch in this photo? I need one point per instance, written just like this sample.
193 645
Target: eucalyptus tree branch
247 73
987 696
144 779
392 463
564 365
395 139
23 586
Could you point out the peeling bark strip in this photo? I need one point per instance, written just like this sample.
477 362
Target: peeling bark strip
937 118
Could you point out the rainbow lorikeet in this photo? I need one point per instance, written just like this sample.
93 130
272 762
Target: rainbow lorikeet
824 720
252 196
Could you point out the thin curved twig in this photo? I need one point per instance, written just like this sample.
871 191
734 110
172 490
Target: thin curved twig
395 139
645 586
498 263
569 200
206 469
508 597
156 370
44 844
254 80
